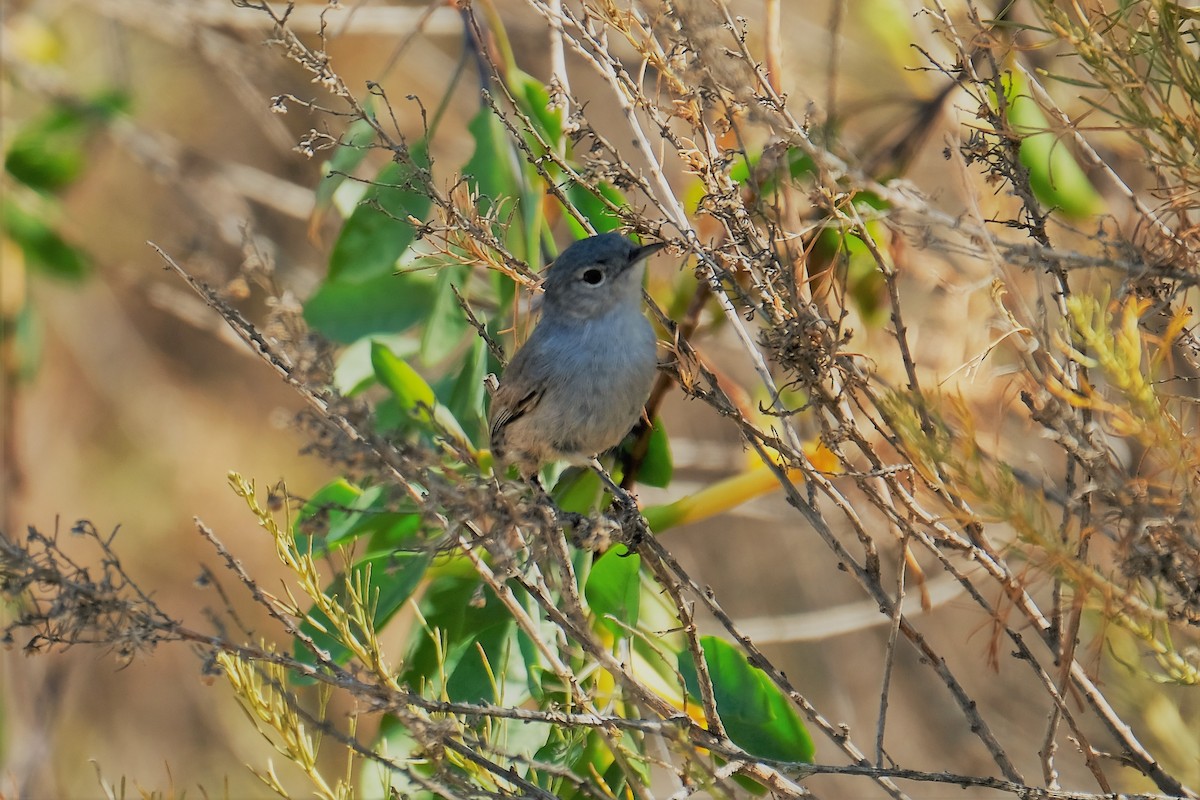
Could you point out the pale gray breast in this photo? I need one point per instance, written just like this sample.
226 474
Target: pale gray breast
607 367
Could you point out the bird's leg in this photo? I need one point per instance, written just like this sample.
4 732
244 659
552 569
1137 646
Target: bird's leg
629 516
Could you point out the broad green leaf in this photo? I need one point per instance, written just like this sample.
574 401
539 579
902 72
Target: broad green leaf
616 777
346 513
368 515
410 389
483 666
352 372
44 249
445 323
47 154
758 717
349 154
39 164
578 490
595 210
325 509
413 395
747 168
658 466
613 589
1055 177
533 98
378 232
565 745
460 616
390 579
467 394
492 172
491 166
348 311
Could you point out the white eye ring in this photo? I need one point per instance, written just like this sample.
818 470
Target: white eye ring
593 276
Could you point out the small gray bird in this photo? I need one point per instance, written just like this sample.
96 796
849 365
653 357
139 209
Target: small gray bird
579 383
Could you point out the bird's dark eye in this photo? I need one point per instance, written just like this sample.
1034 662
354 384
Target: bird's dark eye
593 276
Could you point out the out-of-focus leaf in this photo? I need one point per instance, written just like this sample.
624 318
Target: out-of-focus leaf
616 777
491 168
44 249
466 396
445 323
348 311
27 342
348 155
493 173
890 24
36 163
533 98
658 466
47 154
613 590
862 278
378 232
764 177
757 716
1055 177
392 579
594 209
32 40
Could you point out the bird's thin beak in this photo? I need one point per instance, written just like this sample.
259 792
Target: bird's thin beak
646 251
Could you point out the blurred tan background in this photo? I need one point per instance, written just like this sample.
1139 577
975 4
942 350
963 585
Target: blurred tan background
141 403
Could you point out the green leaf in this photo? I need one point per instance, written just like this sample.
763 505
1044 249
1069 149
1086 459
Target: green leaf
378 232
445 323
413 395
467 395
889 23
411 391
491 167
461 616
38 164
47 154
348 513
44 249
326 508
565 746
613 589
578 490
658 466
758 717
857 268
533 98
1055 177
348 311
595 210
349 154
492 172
389 578
352 371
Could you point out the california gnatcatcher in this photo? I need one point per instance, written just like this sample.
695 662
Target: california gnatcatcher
579 383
